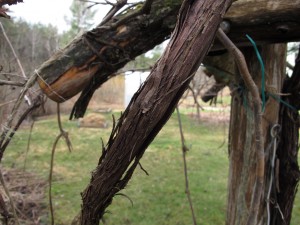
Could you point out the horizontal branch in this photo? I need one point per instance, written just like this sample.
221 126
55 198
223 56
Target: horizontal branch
12 83
91 59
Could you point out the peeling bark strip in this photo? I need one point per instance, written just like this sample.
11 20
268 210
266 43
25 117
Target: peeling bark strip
90 60
153 104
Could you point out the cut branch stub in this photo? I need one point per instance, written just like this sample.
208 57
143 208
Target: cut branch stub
104 50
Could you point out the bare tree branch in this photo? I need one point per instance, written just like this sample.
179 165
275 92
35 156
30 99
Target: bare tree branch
16 58
8 130
116 7
12 83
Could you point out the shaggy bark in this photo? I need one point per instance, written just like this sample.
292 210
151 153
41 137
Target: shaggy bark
153 104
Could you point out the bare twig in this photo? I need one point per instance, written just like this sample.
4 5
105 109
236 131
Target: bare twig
13 51
98 3
144 10
184 150
11 74
10 199
15 55
116 7
9 131
12 83
198 106
65 135
9 102
249 83
142 168
8 125
28 144
130 5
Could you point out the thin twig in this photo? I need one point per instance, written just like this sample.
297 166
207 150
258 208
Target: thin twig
145 9
11 117
13 51
9 102
198 106
116 7
12 83
50 177
63 134
11 74
142 168
15 55
28 144
98 3
9 197
184 150
9 132
251 86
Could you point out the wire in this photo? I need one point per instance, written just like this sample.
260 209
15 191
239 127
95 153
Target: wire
263 96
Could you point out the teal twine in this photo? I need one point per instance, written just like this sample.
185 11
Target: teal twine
283 102
263 96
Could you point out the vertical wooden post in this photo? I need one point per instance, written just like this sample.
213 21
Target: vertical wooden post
241 179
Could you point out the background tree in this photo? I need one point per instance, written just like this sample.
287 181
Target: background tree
33 43
81 20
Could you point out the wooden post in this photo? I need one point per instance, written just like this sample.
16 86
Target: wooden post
241 179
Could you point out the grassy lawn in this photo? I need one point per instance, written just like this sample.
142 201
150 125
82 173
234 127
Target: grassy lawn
157 199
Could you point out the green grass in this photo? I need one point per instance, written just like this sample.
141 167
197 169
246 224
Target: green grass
157 199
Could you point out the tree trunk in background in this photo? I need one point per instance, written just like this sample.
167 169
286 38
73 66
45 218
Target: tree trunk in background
151 107
242 169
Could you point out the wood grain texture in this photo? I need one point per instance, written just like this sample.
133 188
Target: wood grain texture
242 149
153 104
